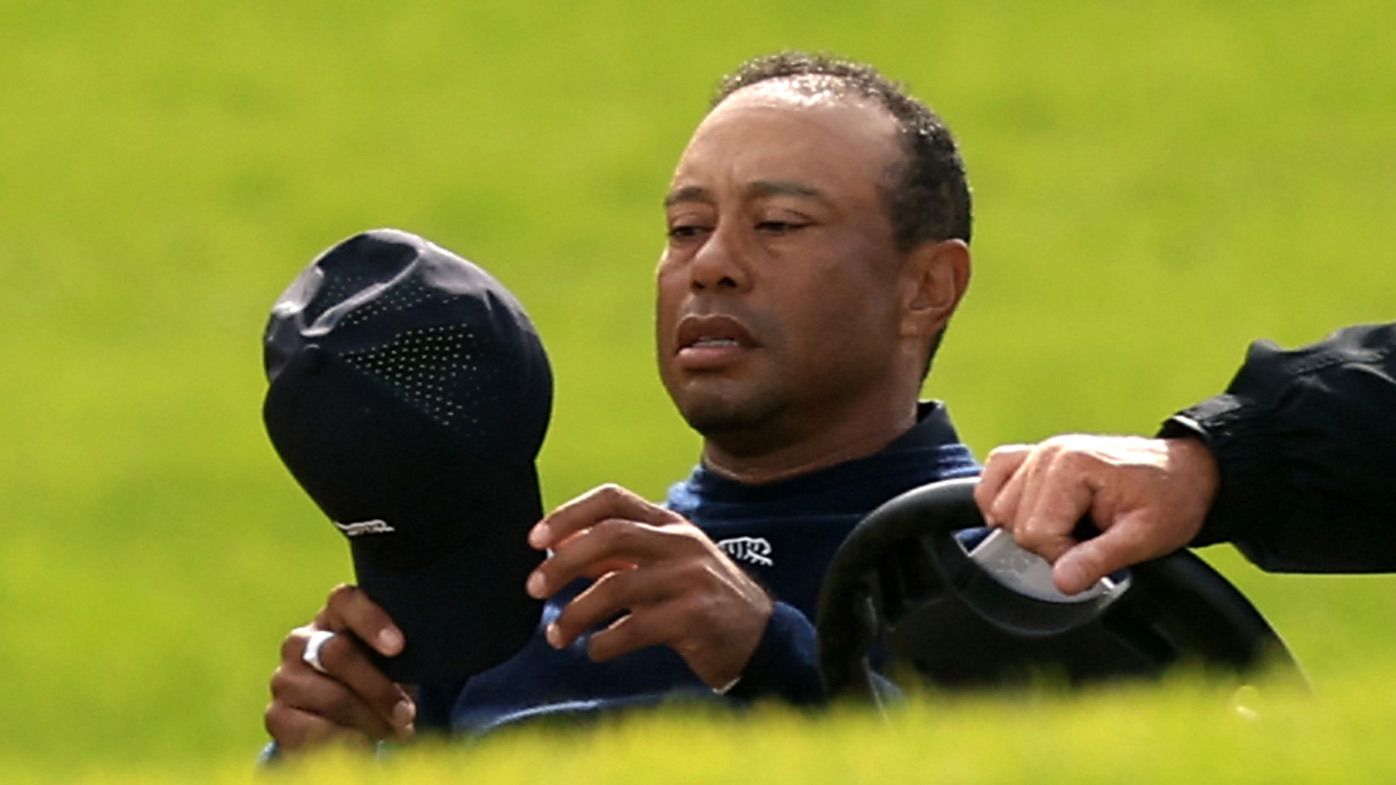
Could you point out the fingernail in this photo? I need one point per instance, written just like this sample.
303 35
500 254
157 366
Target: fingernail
389 640
554 636
538 536
1071 576
536 585
403 714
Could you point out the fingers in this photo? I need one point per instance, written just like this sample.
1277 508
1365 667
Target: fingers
349 608
1001 466
1149 496
658 576
1124 544
295 729
607 501
1057 495
350 700
715 636
299 696
346 662
633 632
1038 493
609 595
668 583
610 543
350 693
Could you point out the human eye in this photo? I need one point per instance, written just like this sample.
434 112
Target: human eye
688 226
684 231
780 226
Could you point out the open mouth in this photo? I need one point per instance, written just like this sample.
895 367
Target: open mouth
713 332
709 342
706 342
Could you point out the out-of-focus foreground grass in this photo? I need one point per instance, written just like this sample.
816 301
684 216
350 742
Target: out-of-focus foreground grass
1156 184
1182 731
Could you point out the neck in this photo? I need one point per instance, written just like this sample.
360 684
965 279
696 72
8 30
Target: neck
749 459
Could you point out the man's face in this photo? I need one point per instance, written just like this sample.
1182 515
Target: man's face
777 305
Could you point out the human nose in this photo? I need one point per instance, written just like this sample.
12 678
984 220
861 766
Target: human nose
719 264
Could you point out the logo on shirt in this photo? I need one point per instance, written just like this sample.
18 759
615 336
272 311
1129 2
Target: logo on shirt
375 526
752 550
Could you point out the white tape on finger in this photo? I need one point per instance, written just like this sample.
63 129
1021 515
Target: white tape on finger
316 642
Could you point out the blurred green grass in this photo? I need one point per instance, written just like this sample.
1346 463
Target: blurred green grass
1185 730
1156 184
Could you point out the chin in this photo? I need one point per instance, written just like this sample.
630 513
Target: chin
710 422
714 416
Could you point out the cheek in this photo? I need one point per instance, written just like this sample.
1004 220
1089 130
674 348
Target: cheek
668 294
832 317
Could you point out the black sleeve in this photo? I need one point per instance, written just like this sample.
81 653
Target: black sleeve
1306 443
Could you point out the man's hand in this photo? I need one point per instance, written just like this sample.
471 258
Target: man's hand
666 580
1147 496
352 701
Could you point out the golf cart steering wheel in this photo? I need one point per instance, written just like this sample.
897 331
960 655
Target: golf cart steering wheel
919 583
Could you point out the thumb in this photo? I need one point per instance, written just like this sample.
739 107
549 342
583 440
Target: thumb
1088 561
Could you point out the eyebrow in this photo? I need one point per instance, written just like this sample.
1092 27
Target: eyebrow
755 190
689 193
782 188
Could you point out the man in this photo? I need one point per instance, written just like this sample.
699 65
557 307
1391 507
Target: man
1294 464
818 229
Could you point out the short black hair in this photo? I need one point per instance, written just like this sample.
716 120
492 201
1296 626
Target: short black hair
927 192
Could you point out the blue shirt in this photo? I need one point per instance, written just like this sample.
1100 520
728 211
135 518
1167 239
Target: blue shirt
783 533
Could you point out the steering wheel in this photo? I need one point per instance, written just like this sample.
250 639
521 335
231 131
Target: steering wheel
911 584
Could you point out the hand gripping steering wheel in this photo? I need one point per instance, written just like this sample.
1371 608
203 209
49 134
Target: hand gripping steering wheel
907 585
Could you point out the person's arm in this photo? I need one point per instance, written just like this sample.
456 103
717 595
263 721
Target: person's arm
785 664
1294 464
1305 441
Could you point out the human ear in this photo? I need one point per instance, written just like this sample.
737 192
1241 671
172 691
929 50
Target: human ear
934 278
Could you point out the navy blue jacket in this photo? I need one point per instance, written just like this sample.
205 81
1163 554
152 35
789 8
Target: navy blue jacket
783 533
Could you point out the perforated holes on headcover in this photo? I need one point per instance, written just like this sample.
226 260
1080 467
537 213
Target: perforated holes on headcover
438 371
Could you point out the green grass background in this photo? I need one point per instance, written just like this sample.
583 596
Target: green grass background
1156 184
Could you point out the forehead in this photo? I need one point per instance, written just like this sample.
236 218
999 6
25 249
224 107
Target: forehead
804 130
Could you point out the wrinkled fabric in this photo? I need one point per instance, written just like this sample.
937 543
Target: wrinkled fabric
1305 441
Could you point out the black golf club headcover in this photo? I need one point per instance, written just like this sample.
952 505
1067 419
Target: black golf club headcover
409 396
